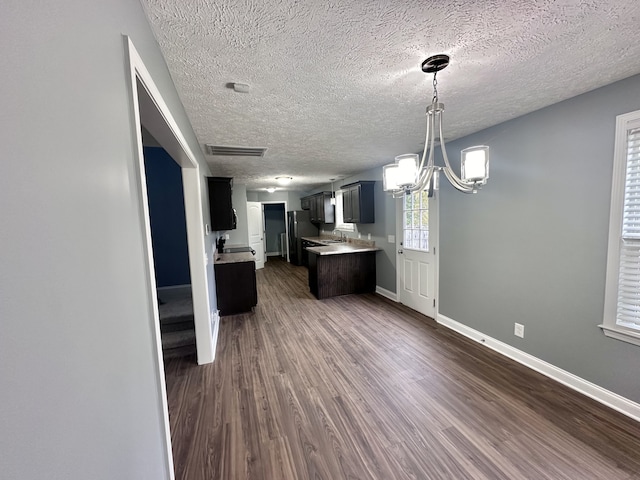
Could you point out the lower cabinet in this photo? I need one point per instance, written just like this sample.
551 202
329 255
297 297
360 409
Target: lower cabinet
332 275
236 287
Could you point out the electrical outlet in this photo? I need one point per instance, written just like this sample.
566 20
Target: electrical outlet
518 331
226 236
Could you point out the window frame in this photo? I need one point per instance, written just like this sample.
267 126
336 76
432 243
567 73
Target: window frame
610 325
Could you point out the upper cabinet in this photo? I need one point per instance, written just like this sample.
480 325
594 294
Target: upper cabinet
358 202
320 208
223 216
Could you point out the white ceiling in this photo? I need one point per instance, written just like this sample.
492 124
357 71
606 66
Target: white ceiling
336 86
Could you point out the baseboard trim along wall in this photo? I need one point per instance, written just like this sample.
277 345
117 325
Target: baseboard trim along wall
606 397
386 293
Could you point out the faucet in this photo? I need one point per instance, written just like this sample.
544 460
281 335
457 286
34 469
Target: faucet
343 237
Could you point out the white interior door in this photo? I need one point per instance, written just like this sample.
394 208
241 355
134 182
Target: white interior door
416 259
256 239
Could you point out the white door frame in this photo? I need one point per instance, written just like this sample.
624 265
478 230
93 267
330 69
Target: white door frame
436 245
147 103
286 224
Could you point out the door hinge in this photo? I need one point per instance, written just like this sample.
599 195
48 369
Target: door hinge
434 303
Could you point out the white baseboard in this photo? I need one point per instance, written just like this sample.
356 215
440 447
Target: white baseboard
386 293
602 395
274 254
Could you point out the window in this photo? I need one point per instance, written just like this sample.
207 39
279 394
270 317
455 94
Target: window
340 225
415 210
622 294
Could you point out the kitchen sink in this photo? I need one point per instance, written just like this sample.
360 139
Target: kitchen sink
333 241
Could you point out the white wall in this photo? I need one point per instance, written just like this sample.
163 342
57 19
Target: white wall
79 389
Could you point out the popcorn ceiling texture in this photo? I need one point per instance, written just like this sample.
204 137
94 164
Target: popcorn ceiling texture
336 87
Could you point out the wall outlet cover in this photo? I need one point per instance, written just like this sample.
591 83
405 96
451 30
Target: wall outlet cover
518 330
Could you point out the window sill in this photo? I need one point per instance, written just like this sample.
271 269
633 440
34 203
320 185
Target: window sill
345 227
622 334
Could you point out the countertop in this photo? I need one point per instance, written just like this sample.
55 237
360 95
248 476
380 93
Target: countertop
351 246
239 257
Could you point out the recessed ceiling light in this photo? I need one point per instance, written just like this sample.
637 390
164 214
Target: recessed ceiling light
284 180
271 189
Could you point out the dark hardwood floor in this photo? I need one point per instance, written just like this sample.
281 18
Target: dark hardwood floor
358 387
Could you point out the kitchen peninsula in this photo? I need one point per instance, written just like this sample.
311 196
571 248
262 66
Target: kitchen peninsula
341 268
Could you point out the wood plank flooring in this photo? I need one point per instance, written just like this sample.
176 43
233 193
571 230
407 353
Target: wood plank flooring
358 387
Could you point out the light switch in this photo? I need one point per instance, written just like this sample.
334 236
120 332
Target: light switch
391 238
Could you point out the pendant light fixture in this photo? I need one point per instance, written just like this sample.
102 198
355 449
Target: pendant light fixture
410 173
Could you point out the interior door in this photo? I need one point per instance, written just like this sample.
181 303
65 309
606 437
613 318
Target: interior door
416 260
256 239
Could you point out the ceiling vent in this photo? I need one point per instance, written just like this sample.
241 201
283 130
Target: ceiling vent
235 151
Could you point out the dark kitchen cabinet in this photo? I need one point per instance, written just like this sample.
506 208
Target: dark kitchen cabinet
358 202
223 216
320 208
236 287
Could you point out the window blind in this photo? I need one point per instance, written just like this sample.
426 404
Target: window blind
628 311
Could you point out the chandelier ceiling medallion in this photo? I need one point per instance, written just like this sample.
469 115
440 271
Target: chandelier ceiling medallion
406 175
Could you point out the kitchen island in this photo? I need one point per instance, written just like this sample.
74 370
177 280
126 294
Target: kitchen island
342 268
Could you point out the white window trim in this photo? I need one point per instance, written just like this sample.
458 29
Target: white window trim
340 225
610 327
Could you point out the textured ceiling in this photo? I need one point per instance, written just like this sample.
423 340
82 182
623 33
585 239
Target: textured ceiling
336 87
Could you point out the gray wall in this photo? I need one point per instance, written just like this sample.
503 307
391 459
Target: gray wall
79 389
531 246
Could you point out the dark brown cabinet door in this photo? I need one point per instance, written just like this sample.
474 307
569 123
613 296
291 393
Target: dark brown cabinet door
320 208
358 202
220 207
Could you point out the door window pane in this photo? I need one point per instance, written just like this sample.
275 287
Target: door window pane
416 220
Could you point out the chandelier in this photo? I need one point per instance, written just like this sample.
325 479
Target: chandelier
410 173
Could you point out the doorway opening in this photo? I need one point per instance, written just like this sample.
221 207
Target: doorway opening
275 230
170 250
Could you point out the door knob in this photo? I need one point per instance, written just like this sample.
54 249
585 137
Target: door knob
400 252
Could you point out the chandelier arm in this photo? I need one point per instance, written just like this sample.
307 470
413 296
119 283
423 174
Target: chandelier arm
424 180
448 171
426 142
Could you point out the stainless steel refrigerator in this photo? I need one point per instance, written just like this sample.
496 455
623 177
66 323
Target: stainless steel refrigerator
299 226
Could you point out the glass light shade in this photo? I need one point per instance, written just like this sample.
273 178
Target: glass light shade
402 173
407 169
390 177
474 165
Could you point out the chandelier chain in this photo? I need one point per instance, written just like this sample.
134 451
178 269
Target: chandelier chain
435 88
